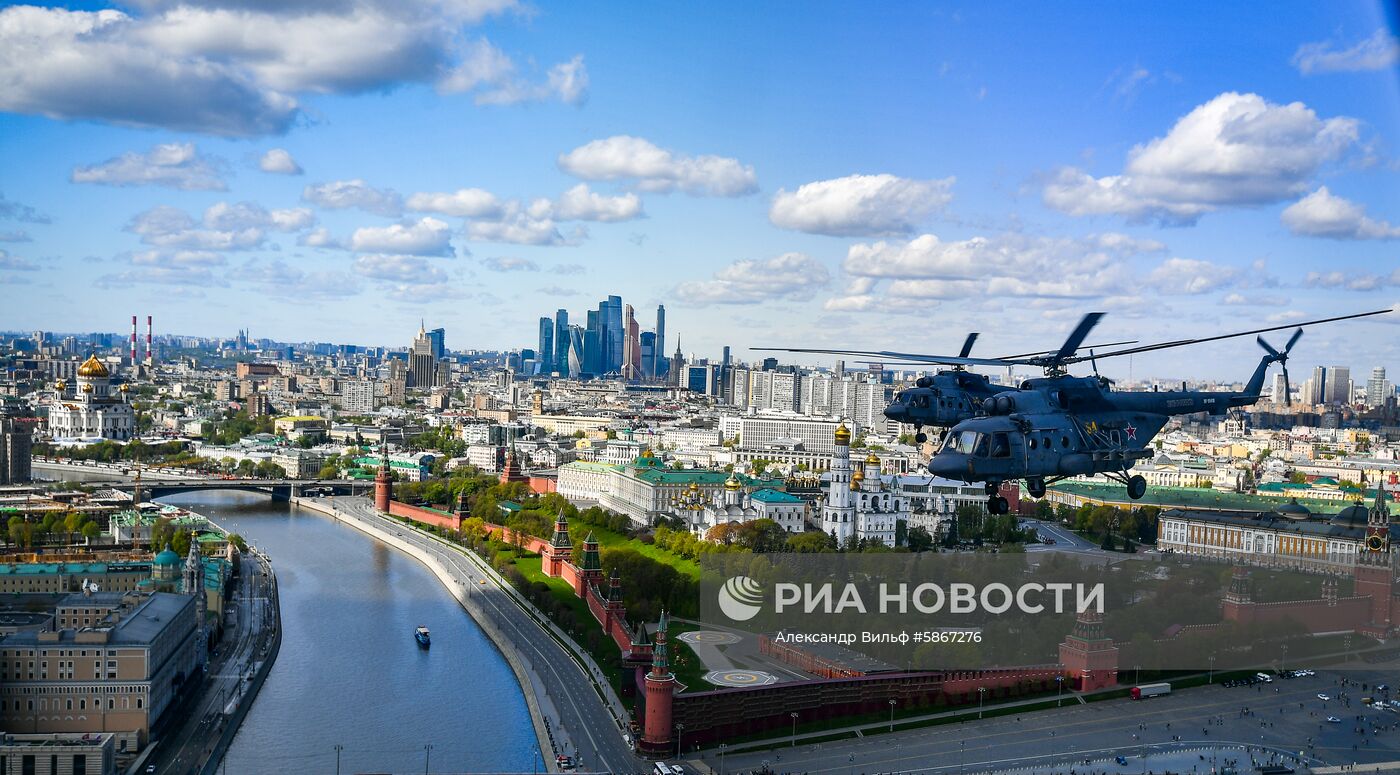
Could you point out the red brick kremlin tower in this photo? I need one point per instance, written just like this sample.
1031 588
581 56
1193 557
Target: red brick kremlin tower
660 686
510 472
1089 657
1375 575
383 482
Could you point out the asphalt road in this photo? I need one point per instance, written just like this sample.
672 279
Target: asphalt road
598 741
1263 715
248 629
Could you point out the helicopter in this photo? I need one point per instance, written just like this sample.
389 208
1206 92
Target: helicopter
945 398
1060 426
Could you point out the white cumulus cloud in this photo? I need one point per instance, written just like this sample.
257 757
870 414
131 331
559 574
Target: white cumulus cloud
462 203
1324 214
425 237
790 276
345 194
279 161
1190 276
399 269
860 205
174 165
1378 52
581 204
1235 150
651 168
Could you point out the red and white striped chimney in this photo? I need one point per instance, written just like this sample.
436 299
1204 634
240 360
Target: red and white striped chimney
150 354
133 341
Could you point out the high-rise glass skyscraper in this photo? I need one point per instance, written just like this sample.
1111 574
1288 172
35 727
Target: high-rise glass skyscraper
592 344
648 349
545 355
438 337
658 353
611 313
561 341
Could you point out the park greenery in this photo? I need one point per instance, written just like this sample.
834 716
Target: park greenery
52 529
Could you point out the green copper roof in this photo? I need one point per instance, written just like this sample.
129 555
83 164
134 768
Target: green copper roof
768 495
1198 497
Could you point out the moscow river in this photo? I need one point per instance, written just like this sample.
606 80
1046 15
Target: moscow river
350 672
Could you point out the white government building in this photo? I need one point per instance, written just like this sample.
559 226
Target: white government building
94 410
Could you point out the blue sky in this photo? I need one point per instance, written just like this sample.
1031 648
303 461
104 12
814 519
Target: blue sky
882 176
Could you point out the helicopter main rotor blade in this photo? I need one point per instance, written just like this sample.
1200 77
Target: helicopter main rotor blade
1202 340
967 345
1082 347
1077 336
951 360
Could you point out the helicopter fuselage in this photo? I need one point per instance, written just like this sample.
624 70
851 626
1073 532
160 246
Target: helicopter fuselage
1057 427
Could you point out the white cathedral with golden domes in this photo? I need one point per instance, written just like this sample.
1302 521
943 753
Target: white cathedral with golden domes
93 409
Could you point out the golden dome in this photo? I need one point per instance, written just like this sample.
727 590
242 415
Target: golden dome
843 435
871 459
93 368
858 476
646 453
61 385
731 484
124 388
694 486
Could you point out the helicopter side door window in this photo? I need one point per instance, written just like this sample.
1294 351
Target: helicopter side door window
970 443
1001 445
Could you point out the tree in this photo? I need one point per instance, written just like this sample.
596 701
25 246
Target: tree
1298 477
919 539
812 542
180 542
91 531
238 542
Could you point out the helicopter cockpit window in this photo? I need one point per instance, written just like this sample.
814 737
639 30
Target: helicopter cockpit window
1001 445
968 443
919 402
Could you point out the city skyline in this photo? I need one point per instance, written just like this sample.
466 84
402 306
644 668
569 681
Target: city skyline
1003 188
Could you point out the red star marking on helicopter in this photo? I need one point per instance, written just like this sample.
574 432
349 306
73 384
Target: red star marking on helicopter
1132 432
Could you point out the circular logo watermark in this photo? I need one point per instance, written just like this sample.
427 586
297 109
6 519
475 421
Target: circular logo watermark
741 598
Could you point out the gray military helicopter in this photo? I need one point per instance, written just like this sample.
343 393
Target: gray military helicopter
1060 426
945 398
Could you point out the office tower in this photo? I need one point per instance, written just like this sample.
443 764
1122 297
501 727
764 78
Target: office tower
592 345
545 355
422 366
658 352
1278 395
16 441
770 364
631 345
648 349
1338 385
1377 388
438 337
575 352
612 325
561 341
1317 392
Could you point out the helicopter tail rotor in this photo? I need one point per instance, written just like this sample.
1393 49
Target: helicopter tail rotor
1281 358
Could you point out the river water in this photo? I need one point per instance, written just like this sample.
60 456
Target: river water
350 672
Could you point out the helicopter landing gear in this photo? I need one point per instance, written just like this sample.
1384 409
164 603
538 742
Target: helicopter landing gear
997 505
992 488
1036 487
1137 486
920 437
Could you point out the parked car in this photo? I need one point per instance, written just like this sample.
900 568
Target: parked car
1323 697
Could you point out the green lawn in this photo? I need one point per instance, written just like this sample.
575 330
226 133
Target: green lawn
689 670
608 539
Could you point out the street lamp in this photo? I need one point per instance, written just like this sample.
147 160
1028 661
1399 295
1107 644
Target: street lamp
892 703
427 754
1210 676
794 728
1059 679
338 749
1281 667
680 729
722 746
981 694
